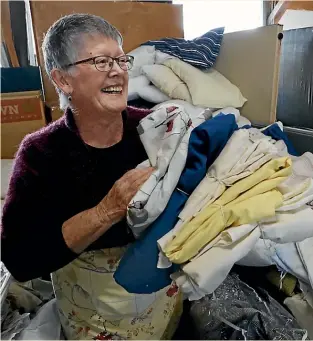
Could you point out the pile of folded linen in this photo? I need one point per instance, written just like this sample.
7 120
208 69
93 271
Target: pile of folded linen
222 193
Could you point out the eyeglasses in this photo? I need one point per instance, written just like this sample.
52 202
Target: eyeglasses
105 63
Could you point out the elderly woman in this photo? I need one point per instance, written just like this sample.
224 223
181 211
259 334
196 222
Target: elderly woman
71 183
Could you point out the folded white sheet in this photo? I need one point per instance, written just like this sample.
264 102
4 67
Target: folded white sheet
285 256
207 271
298 201
289 226
299 181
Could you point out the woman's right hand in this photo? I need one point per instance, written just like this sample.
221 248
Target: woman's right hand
113 206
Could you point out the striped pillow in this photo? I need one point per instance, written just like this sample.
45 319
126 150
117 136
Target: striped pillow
200 52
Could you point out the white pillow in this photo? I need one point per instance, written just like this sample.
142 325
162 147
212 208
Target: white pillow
161 57
192 110
209 89
135 84
144 55
152 94
166 80
6 168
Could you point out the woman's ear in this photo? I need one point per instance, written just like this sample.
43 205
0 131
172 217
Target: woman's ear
62 80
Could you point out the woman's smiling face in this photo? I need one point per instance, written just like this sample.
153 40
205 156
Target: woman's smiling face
103 91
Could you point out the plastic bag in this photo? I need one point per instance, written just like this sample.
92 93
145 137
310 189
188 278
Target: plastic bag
235 311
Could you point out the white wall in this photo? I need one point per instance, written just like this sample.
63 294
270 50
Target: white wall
293 19
201 16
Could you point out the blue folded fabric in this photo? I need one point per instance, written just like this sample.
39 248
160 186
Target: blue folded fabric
277 134
200 52
137 271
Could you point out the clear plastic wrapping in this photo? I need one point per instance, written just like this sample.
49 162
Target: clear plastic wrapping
235 311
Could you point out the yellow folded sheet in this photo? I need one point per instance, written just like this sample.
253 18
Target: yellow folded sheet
247 201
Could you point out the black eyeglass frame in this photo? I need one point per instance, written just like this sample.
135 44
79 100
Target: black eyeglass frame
93 59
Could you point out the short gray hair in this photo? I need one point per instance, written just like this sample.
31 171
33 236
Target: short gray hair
64 39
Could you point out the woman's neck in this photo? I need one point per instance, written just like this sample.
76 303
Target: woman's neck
100 131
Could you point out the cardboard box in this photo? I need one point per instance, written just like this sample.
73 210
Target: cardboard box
21 113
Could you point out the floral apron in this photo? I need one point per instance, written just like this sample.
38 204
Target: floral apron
93 306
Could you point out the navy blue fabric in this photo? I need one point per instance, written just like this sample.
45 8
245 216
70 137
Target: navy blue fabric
137 271
277 134
200 52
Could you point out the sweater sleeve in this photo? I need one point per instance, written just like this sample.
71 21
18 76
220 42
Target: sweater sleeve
31 236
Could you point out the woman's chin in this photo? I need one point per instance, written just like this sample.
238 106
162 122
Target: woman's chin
117 104
114 100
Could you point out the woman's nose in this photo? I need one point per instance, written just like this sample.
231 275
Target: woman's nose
116 69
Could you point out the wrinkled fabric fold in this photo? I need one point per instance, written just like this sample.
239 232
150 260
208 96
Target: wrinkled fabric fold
207 271
276 133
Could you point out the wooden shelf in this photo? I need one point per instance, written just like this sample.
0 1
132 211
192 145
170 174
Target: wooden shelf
282 6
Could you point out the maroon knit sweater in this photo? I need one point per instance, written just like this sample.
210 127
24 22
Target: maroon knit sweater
56 176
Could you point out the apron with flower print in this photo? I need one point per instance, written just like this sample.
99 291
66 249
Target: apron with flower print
92 305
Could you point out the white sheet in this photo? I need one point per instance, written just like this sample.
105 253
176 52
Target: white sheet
207 271
165 135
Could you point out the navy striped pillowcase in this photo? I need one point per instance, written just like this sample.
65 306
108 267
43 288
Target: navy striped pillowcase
200 52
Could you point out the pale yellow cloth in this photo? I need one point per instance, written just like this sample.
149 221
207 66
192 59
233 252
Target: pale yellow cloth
93 306
249 200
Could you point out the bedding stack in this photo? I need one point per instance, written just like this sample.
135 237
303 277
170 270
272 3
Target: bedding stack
223 193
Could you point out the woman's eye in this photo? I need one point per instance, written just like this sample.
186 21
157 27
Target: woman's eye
123 60
102 61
